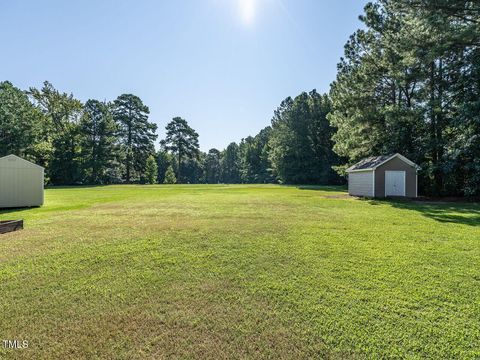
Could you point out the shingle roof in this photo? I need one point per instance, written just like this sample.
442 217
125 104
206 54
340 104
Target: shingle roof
371 162
374 162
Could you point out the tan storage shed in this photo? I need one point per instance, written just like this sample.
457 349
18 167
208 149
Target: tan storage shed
383 176
21 183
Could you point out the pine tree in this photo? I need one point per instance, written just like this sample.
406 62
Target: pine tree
170 176
99 144
182 141
300 142
136 132
164 160
408 83
230 163
151 170
255 165
212 167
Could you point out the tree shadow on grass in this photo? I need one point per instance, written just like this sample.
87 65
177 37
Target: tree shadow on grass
15 210
59 187
457 213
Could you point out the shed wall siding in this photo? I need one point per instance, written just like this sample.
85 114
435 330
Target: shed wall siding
396 165
361 183
21 183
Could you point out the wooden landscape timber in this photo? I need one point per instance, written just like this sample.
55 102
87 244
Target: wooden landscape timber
7 226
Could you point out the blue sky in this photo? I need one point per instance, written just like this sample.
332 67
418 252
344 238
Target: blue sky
224 65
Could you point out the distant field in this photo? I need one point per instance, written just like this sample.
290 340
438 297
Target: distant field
261 272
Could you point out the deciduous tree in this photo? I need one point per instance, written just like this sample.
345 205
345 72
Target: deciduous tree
20 124
60 128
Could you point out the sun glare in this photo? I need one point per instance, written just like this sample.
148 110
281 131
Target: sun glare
247 9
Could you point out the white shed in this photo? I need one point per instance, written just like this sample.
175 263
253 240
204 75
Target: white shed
384 176
21 183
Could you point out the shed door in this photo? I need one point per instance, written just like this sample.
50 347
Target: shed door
395 183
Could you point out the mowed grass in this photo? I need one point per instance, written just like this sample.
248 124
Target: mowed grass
260 272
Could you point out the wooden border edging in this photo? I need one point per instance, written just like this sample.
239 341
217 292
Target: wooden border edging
10 225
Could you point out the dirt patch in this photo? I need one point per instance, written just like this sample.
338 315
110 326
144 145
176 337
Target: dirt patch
339 196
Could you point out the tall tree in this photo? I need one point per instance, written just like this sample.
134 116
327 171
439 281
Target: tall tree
61 128
182 141
450 89
255 165
151 170
212 167
407 83
264 170
136 132
230 164
20 123
193 169
170 176
164 160
301 145
99 144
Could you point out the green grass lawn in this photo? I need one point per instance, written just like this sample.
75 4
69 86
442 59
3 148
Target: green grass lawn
195 271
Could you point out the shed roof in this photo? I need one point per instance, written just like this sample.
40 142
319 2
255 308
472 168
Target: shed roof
15 157
374 162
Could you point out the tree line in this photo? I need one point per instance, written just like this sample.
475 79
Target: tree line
408 82
92 143
102 142
296 148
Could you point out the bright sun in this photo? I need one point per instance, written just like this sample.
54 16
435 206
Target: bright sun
247 9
